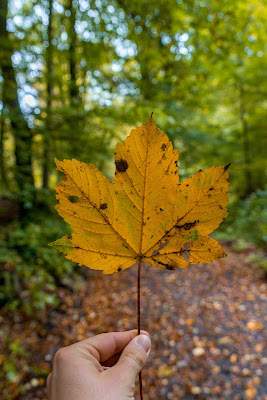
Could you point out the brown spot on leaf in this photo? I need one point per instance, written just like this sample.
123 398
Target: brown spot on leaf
163 147
104 206
187 225
119 269
171 266
187 245
121 165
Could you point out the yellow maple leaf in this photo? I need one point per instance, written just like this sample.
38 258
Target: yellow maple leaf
145 214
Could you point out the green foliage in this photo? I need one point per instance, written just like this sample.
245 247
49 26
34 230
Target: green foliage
247 221
258 258
30 269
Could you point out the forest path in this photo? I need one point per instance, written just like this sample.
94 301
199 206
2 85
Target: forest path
206 323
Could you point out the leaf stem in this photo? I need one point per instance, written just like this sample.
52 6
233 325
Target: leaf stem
139 296
139 318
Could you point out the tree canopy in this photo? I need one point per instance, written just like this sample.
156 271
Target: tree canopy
76 75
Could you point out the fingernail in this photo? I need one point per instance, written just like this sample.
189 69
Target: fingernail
143 342
142 332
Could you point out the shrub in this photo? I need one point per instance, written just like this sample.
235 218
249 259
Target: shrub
247 220
30 270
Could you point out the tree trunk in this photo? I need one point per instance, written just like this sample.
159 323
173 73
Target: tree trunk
49 88
74 92
22 133
75 116
246 144
2 161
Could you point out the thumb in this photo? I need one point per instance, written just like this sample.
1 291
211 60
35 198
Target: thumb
133 358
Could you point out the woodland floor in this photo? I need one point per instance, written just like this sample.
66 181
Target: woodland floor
206 324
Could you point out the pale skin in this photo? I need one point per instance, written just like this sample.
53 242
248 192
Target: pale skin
102 367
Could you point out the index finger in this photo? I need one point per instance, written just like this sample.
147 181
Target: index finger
105 345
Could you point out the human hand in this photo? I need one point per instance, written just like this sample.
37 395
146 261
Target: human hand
103 367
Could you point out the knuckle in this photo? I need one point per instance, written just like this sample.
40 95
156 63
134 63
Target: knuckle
61 355
136 358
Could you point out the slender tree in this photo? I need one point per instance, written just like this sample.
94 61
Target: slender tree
21 131
49 89
245 142
74 91
2 161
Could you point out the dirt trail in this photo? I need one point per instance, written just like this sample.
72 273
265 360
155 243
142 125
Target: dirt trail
206 324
